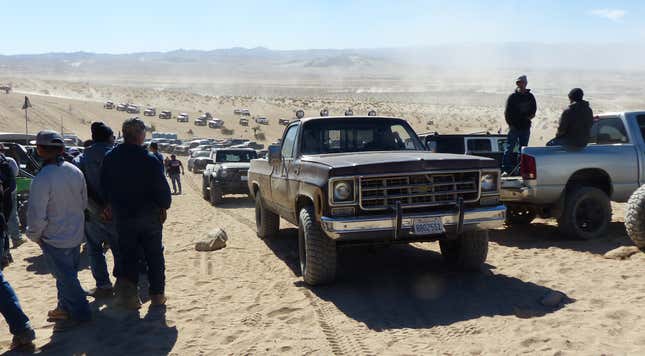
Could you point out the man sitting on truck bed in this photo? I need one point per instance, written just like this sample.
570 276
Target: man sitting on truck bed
575 123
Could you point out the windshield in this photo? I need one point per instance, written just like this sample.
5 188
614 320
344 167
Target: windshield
202 154
339 136
236 156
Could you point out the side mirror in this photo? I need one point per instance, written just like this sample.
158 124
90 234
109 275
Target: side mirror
274 155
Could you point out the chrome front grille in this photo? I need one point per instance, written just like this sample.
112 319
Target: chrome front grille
418 190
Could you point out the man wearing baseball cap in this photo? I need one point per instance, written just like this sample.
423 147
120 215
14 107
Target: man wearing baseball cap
520 110
56 221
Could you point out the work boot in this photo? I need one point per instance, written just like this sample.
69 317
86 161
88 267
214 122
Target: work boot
157 300
127 295
57 315
24 340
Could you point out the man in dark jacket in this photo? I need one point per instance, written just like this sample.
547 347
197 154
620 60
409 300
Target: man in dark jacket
138 195
575 123
520 110
98 230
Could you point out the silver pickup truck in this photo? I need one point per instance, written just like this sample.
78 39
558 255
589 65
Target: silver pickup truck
576 186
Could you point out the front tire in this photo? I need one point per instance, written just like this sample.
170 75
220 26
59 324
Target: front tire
215 194
468 252
317 251
266 222
635 218
205 193
586 214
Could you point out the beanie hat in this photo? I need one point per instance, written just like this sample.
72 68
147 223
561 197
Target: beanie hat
576 94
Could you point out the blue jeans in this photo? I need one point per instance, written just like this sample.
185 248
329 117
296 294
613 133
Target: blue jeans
63 264
98 231
515 139
11 310
142 233
13 225
175 178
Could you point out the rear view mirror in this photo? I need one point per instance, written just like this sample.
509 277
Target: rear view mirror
274 154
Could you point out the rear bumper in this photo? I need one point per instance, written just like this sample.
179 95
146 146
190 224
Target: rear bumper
382 227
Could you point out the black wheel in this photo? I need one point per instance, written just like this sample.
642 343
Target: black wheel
635 218
468 252
215 193
317 252
266 222
205 193
586 214
518 215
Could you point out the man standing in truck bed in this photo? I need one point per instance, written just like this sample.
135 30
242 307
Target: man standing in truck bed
520 110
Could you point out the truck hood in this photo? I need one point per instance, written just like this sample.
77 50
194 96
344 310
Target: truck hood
397 162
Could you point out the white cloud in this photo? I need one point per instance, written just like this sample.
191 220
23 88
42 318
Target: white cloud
610 14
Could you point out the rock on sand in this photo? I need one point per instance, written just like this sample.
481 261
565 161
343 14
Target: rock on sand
622 252
215 240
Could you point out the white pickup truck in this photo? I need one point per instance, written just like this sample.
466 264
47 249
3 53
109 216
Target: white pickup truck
576 186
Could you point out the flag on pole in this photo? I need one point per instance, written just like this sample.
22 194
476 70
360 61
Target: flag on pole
27 104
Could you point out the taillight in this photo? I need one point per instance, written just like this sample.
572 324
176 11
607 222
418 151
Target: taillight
528 169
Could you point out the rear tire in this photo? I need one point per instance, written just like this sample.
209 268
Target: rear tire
266 222
586 214
635 218
317 251
215 194
518 215
468 252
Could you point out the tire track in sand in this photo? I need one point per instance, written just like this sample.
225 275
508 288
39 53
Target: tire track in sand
340 342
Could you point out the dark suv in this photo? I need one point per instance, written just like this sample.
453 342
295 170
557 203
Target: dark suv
227 174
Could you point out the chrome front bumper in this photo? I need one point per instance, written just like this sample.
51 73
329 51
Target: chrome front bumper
376 228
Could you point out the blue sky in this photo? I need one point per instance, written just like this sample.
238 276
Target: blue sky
119 26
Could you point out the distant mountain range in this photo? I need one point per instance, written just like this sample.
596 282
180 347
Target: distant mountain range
383 61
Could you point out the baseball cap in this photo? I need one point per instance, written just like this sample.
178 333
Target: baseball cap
521 78
49 138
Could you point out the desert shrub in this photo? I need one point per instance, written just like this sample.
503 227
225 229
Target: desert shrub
260 136
227 131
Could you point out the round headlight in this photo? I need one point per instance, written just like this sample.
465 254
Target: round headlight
342 191
489 183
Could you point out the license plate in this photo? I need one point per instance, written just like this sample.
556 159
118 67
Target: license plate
428 226
244 178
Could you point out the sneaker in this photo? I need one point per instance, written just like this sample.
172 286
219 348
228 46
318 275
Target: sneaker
157 300
19 241
24 340
57 315
101 293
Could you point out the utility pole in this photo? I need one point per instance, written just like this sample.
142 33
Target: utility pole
62 132
26 107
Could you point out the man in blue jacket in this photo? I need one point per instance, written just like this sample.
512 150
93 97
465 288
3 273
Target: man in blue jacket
137 196
98 229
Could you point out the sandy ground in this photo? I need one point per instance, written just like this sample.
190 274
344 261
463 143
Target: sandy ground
249 299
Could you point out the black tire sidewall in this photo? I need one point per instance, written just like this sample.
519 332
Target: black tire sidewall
572 204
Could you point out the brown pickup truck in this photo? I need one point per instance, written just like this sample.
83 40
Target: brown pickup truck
368 180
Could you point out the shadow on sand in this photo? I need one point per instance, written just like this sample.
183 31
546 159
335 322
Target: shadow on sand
540 235
406 287
114 332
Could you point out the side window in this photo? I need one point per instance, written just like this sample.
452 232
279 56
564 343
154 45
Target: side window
611 131
289 142
593 135
479 145
641 124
